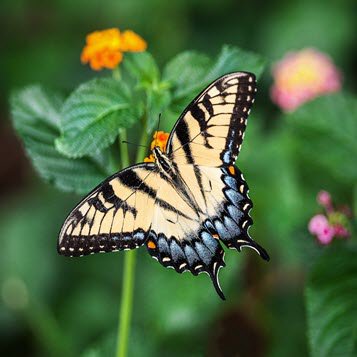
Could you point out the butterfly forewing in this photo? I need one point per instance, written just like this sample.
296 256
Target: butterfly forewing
116 215
211 129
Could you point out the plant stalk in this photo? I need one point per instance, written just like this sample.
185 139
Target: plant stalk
142 150
123 147
126 305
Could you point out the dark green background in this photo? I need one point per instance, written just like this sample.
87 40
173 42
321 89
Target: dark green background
72 305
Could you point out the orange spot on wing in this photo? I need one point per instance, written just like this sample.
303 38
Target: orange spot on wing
232 170
151 244
215 236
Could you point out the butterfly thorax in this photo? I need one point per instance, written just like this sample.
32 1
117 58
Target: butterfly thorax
163 162
170 172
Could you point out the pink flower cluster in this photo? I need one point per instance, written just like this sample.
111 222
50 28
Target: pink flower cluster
301 76
334 223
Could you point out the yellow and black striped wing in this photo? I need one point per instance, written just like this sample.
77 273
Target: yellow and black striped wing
116 215
187 235
211 129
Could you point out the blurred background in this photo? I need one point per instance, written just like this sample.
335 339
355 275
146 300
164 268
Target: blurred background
51 305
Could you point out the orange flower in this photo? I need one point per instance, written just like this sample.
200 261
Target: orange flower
160 140
131 42
104 49
150 158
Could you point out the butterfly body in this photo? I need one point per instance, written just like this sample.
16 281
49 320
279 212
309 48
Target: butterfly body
187 202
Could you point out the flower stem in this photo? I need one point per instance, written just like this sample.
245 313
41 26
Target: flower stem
123 147
143 140
126 305
116 73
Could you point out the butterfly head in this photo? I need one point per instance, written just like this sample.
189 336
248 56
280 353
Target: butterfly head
162 160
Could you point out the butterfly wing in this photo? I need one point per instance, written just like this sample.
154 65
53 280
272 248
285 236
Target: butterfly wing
116 215
188 239
178 238
211 129
203 146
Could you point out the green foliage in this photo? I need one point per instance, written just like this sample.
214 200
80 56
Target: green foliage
143 68
327 129
36 116
186 72
331 303
190 72
69 141
92 116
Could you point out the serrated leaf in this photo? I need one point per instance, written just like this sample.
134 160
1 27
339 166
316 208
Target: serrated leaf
197 71
36 114
232 59
92 116
331 303
185 70
143 68
327 132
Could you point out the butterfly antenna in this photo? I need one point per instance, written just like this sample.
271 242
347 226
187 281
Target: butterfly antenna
158 126
128 142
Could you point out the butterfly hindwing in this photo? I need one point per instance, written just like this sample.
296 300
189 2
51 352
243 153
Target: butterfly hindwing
191 242
179 239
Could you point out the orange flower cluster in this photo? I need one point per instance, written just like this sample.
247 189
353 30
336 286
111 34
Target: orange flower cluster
104 49
159 139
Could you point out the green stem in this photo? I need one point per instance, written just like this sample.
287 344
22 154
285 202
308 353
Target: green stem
116 73
126 305
123 147
142 150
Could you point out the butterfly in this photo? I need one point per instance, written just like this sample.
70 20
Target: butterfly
185 204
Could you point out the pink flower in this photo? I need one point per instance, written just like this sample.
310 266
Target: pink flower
341 231
326 235
318 224
324 199
334 223
301 76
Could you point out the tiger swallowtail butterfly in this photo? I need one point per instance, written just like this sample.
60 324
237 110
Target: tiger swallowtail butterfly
187 202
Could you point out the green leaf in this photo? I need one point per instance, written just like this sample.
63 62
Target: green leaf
232 59
93 115
190 72
331 303
36 116
185 70
157 102
142 67
327 131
